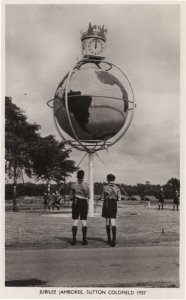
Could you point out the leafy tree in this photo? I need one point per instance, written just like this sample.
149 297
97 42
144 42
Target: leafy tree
19 137
140 189
174 183
51 160
148 182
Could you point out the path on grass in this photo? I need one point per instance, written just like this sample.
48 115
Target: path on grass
115 267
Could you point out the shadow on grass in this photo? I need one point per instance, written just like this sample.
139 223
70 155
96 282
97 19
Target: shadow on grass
96 239
25 282
69 240
64 239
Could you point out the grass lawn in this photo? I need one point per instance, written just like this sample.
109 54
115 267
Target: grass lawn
136 225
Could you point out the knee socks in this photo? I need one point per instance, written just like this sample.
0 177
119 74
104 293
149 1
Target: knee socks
108 233
114 233
84 231
74 232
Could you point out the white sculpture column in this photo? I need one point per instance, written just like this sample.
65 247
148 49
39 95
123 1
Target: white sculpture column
91 184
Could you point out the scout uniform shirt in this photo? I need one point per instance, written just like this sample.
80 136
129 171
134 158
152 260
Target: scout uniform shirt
111 191
80 190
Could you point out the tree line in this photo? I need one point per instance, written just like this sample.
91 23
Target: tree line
32 189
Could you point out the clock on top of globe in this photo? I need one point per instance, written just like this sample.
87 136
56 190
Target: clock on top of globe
93 42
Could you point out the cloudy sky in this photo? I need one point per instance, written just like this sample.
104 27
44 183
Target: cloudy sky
43 43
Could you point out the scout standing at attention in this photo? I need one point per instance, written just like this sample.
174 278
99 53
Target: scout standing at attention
80 194
110 195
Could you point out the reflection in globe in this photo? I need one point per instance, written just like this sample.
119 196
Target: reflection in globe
79 107
97 103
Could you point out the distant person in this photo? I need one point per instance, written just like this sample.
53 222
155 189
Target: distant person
176 200
147 202
57 200
110 195
45 197
46 201
53 199
161 199
49 200
79 194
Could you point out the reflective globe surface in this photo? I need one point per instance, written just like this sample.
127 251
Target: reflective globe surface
97 103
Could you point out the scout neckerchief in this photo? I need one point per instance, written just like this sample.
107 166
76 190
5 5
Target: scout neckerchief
113 190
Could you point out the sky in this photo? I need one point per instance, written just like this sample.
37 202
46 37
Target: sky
43 44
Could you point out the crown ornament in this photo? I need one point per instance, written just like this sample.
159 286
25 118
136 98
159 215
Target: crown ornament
94 31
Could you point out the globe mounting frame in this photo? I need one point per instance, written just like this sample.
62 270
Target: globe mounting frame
91 146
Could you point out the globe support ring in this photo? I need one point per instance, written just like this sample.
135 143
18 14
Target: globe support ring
79 63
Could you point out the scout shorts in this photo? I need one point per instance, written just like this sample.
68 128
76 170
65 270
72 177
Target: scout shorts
109 208
79 209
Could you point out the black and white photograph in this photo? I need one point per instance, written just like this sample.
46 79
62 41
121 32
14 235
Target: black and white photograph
92 167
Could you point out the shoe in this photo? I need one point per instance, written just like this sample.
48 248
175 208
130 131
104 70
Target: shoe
109 241
73 242
84 243
113 243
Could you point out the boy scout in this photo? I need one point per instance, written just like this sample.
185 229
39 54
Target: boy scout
79 194
110 195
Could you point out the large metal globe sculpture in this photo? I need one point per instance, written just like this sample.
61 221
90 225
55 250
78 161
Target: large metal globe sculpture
93 105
